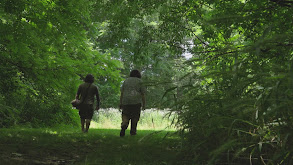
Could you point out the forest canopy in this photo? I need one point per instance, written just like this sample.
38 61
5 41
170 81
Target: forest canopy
225 67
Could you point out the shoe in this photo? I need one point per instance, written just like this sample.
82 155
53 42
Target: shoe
122 133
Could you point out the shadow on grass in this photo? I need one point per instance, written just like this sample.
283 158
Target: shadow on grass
99 146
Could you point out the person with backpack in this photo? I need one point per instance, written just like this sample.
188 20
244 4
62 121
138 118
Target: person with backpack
132 99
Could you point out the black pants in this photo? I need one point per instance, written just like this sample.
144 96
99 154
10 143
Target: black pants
130 112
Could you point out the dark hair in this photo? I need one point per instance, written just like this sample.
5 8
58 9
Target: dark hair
89 78
135 73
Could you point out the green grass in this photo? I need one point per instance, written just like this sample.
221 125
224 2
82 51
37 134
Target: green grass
99 146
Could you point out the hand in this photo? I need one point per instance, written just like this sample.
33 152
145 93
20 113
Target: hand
97 108
120 107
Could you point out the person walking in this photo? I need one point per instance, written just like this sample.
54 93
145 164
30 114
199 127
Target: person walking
132 99
86 93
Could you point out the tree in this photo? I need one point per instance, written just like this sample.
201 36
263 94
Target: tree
44 54
240 93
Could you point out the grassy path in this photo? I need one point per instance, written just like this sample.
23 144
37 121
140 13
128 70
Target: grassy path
99 146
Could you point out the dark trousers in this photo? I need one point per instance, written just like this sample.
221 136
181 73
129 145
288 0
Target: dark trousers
130 112
86 111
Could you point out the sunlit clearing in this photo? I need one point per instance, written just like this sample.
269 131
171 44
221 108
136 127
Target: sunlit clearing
150 119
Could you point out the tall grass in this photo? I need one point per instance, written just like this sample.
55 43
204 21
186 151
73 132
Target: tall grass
150 119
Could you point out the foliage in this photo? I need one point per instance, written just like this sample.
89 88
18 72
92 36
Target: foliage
132 32
44 53
233 96
241 73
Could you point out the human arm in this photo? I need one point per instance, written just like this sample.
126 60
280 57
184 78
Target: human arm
143 91
78 93
143 101
121 97
98 100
